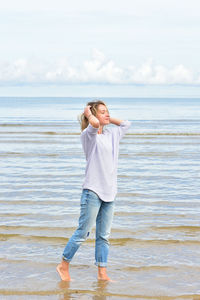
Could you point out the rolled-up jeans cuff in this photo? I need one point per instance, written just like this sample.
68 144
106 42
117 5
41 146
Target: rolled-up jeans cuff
65 259
101 264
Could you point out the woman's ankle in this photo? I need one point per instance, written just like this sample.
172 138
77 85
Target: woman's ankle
65 264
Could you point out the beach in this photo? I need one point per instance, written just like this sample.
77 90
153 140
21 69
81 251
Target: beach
155 239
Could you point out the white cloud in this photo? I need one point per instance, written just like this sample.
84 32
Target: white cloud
98 70
181 74
149 73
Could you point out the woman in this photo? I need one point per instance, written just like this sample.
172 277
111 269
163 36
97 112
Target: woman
101 147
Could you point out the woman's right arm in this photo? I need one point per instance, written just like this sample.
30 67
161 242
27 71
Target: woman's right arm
91 118
89 134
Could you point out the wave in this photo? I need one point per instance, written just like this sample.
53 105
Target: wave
56 228
29 133
130 268
36 228
39 124
128 135
76 293
113 241
35 202
170 268
176 228
29 154
164 133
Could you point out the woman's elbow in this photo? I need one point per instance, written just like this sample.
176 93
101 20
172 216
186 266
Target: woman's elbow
95 124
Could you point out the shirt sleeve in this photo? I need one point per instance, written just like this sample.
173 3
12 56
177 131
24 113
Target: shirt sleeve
88 139
123 128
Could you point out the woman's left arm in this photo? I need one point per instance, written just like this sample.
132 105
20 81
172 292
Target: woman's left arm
122 126
116 121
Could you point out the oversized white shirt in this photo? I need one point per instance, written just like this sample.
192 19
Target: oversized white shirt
101 151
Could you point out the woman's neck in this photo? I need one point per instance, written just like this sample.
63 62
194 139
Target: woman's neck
100 129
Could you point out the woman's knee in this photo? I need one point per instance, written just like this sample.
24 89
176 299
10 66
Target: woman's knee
81 235
103 238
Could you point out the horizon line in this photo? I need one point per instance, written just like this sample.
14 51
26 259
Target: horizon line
95 97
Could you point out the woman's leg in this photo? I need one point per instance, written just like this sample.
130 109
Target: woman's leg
90 205
103 228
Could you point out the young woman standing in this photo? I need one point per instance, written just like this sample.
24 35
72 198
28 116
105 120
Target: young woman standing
101 148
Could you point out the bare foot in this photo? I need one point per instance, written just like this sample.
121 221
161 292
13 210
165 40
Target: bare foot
102 275
63 270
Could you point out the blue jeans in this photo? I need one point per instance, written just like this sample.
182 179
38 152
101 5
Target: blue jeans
92 209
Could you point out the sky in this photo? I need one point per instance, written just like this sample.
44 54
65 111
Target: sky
129 48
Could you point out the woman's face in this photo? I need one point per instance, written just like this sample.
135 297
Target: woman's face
103 115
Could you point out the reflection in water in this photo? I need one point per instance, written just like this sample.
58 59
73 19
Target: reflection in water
64 286
100 289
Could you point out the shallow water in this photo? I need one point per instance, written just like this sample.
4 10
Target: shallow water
155 240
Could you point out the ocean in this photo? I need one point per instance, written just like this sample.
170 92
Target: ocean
155 239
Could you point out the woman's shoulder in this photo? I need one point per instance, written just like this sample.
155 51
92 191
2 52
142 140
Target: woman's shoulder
89 130
110 130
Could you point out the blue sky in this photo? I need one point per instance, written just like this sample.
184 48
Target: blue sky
135 48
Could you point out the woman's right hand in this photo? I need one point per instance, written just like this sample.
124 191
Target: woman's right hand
91 118
87 111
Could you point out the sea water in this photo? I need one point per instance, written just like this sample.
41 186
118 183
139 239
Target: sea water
155 239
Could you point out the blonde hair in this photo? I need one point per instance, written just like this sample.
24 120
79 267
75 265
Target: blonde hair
94 107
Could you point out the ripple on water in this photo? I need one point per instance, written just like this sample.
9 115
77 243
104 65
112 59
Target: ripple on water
155 241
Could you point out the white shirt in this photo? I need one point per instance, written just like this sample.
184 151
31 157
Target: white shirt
101 151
